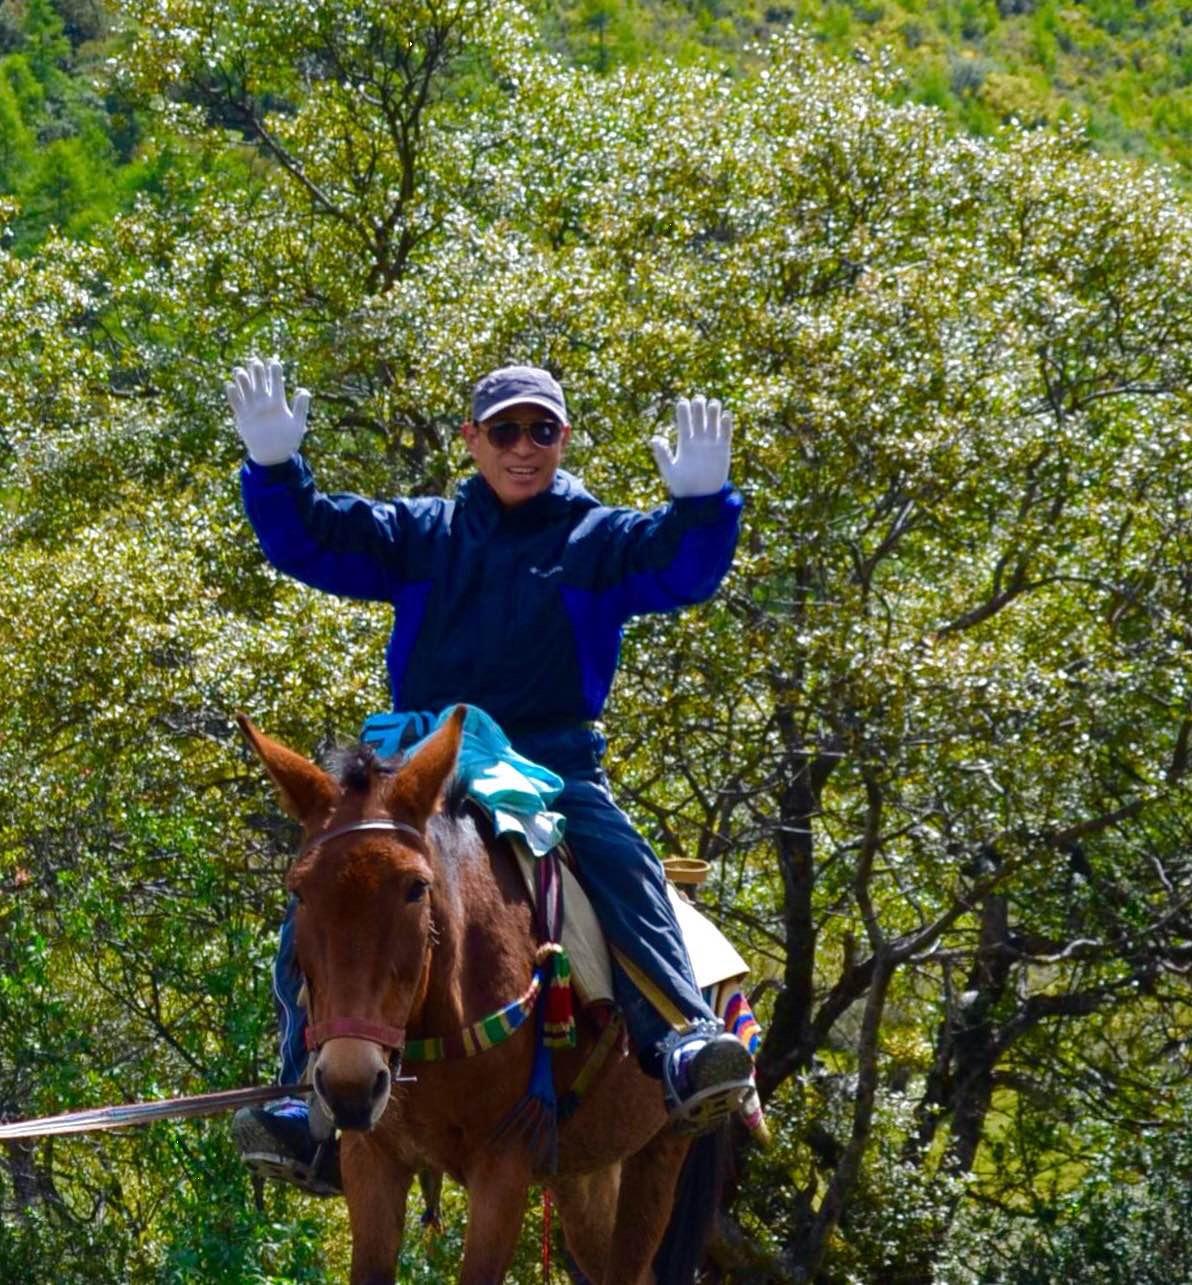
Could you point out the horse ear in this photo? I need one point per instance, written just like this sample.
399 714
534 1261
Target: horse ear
419 782
307 792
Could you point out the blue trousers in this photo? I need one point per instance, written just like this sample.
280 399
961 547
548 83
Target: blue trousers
626 885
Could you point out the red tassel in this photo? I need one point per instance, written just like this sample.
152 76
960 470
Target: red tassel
559 1016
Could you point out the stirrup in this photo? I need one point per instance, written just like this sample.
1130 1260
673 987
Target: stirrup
707 1110
265 1154
725 1075
279 1168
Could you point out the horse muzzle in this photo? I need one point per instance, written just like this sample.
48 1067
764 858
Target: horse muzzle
352 1078
355 1066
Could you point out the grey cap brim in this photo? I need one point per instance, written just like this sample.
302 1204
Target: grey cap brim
525 399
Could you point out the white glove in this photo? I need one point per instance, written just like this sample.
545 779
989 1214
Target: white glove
699 465
257 394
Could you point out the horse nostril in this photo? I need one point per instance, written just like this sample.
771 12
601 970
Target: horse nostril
380 1085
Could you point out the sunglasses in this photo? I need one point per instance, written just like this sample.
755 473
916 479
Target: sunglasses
506 433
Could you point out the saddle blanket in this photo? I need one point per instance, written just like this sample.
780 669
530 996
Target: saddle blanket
713 957
517 793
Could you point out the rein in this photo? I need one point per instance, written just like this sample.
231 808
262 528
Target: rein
99 1118
489 1031
481 1035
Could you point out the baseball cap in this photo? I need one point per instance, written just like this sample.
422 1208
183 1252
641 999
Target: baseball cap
512 385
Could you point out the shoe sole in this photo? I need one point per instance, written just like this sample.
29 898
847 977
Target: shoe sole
722 1062
259 1151
722 1081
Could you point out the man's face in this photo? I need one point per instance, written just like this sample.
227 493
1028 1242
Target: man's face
520 471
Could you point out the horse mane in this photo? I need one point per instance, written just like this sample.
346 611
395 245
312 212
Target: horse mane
357 766
455 796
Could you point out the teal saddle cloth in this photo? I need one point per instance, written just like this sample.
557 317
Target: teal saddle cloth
514 791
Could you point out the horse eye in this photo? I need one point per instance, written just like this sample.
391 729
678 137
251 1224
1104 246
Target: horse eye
417 888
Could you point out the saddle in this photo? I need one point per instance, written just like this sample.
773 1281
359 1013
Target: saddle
713 957
516 794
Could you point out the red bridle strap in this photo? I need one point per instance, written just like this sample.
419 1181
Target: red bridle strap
351 1028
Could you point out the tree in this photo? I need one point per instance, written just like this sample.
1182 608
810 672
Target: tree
16 142
933 736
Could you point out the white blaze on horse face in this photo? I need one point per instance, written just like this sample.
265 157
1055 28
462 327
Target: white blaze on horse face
352 1079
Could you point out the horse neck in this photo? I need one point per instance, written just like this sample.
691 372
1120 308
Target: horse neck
481 958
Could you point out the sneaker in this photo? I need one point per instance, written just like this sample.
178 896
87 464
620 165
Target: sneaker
706 1076
274 1141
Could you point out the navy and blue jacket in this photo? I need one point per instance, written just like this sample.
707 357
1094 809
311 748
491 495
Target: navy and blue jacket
518 610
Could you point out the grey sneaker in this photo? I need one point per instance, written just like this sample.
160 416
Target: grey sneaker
274 1141
706 1077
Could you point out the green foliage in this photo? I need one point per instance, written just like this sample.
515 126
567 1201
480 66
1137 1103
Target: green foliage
933 734
1126 1221
1120 68
45 43
16 139
27 90
66 155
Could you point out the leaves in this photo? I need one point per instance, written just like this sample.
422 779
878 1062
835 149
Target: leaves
933 733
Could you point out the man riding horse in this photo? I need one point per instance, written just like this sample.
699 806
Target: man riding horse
512 597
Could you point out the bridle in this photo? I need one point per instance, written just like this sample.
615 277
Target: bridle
551 975
378 823
390 1037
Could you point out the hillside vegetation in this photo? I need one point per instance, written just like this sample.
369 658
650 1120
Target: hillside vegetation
934 735
73 149
1121 69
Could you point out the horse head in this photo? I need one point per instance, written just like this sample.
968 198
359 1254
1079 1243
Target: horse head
364 881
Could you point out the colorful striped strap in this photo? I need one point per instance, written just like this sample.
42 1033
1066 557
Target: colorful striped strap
488 1031
740 1021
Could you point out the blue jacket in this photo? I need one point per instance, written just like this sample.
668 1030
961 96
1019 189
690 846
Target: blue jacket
517 610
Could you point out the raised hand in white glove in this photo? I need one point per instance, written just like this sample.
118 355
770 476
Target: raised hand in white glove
269 428
699 465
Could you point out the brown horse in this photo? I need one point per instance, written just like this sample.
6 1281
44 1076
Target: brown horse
413 923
